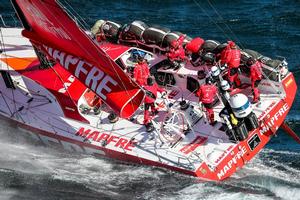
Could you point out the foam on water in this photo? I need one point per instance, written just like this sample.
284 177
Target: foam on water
25 164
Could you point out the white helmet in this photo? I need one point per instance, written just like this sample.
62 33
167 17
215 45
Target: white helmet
96 28
225 85
223 67
215 71
240 105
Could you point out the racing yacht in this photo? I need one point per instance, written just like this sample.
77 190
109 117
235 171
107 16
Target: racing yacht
52 71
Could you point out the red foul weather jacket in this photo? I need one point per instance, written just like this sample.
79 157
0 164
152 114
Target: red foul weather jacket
255 71
232 57
207 93
151 92
141 73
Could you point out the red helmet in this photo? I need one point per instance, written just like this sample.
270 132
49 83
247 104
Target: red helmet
231 44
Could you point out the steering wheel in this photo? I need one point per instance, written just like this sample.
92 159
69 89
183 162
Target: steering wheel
173 126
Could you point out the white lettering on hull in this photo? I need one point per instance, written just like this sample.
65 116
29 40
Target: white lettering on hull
270 124
234 160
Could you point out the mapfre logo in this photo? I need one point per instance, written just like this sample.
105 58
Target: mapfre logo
67 84
288 82
93 77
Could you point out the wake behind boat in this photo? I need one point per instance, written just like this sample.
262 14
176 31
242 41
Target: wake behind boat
76 90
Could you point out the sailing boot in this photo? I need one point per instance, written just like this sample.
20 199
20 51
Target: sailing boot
147 117
154 110
237 81
256 95
211 116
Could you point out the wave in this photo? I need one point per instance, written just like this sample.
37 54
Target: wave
31 170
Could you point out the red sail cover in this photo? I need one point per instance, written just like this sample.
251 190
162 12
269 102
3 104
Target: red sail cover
50 28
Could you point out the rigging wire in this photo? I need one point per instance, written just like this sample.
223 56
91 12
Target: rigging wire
3 49
210 18
100 53
81 20
226 25
111 62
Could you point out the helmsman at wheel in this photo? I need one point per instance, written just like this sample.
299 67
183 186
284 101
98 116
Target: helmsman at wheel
151 90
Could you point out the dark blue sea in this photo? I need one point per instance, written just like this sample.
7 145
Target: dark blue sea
29 170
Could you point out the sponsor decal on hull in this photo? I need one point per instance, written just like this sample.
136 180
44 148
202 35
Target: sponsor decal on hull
288 82
254 143
106 139
271 122
233 161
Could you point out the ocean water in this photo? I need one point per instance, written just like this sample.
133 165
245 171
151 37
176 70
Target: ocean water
29 170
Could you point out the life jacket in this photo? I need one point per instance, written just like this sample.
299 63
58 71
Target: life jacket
176 54
141 73
232 57
256 71
194 45
181 39
151 92
207 93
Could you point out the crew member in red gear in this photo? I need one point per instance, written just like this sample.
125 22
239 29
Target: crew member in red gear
231 56
193 49
151 94
141 71
176 54
207 94
97 31
255 77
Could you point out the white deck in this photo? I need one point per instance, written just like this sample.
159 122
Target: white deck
42 114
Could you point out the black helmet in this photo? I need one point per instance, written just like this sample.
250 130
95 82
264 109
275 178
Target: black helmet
209 58
150 81
201 74
138 55
208 80
250 61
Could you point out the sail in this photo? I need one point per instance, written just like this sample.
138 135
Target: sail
51 30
